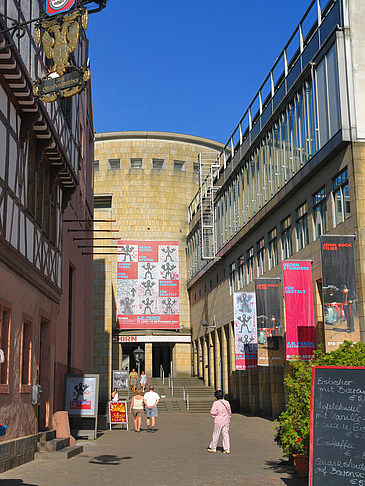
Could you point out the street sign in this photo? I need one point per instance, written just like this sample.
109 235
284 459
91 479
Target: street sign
54 7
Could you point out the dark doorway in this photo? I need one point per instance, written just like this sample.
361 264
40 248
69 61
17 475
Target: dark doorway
128 349
44 378
161 355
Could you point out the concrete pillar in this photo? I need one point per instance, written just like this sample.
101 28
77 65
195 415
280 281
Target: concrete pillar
211 359
224 360
148 359
217 355
181 356
265 390
195 347
205 361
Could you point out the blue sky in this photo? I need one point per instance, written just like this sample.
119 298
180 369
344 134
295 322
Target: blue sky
188 67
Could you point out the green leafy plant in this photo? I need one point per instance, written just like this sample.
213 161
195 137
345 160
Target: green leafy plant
293 425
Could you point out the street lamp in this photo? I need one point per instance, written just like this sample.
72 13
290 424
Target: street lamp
138 355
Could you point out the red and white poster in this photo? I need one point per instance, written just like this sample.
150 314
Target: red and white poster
299 316
148 285
245 330
54 7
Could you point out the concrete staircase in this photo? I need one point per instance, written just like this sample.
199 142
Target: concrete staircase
201 397
56 449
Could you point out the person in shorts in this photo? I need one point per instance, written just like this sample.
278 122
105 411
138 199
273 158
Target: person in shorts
136 409
151 399
133 379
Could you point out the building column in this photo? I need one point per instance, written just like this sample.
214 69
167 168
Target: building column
181 356
148 359
205 362
224 361
211 359
195 347
218 364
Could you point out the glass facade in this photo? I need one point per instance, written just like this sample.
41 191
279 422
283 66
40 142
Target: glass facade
319 213
341 196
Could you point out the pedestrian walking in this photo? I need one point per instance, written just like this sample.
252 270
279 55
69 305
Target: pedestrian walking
221 411
133 379
115 395
143 381
136 408
151 399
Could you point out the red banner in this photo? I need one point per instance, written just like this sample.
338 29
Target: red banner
54 7
117 412
298 297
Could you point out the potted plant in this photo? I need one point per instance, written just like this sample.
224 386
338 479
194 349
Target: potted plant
293 425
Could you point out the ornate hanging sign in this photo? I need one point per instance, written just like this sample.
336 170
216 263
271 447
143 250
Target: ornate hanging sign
54 7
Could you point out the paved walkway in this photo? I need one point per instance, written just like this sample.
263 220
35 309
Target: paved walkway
175 455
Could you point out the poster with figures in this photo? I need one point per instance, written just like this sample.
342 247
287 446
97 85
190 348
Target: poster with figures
245 330
81 395
148 285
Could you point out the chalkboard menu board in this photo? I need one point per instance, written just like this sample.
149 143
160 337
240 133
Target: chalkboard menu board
337 449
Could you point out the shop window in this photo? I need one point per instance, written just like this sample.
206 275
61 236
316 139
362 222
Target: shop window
319 213
302 227
260 255
272 248
341 196
232 278
5 321
26 358
241 272
286 240
250 265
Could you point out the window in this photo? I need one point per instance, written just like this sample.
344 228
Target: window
273 248
232 278
250 265
341 196
286 243
114 164
319 213
302 227
26 363
179 165
260 255
96 166
5 346
136 163
103 202
196 168
158 163
241 271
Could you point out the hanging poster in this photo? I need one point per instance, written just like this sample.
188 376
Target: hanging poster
339 292
299 315
81 396
269 327
148 285
120 379
117 413
245 330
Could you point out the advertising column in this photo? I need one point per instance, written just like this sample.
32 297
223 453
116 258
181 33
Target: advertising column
245 330
341 321
299 315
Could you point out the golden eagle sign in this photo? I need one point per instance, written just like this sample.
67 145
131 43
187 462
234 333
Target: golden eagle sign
54 7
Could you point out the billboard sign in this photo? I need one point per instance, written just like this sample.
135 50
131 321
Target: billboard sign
54 7
148 285
339 291
245 330
81 396
269 325
299 315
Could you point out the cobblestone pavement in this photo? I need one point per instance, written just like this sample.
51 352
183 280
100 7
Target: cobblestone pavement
174 455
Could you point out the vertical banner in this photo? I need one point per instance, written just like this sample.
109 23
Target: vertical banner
148 285
245 330
269 327
339 292
299 315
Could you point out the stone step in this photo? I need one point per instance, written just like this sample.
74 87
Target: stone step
53 445
47 435
63 454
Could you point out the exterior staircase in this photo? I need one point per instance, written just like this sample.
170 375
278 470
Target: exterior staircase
56 449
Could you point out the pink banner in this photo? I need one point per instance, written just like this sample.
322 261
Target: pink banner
298 297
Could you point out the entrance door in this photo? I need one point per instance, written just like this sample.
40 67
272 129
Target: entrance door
161 355
127 349
44 378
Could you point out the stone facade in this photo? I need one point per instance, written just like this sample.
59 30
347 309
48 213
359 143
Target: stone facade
148 203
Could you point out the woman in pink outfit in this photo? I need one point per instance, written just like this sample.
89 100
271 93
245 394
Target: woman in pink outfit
221 411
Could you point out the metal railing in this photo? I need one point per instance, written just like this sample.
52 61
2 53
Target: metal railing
187 403
162 374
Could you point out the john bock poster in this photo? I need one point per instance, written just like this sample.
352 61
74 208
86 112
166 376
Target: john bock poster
339 290
148 285
245 330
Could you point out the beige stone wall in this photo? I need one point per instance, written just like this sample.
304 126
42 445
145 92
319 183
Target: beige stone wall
147 204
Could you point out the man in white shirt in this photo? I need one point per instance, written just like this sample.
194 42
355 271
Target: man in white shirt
151 399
